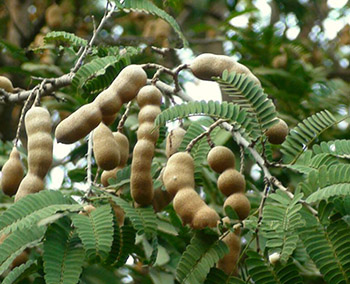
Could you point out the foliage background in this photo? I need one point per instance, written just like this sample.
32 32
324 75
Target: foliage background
303 75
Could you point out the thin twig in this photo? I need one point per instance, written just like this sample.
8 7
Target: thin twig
23 112
241 149
260 210
124 117
89 166
205 133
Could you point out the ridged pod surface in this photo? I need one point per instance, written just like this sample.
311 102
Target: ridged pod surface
229 261
277 133
6 84
108 103
173 140
105 148
207 65
141 185
178 180
40 144
12 173
123 148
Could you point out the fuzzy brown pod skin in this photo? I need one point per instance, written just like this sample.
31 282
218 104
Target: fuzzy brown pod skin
30 184
207 65
123 148
240 203
277 133
40 146
149 99
12 173
174 140
119 214
54 16
6 84
79 124
161 199
231 181
105 148
221 158
178 180
107 104
229 262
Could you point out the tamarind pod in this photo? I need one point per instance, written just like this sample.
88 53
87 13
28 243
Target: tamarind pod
119 214
179 173
123 89
174 140
277 133
229 262
54 16
106 175
149 99
221 158
109 119
161 199
205 217
141 184
30 184
105 148
240 203
147 131
79 124
207 65
123 148
6 84
40 147
186 203
12 173
231 181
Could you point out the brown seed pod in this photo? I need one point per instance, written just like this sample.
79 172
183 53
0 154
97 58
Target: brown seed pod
231 181
161 199
123 148
107 104
40 144
277 133
221 158
173 140
105 148
12 173
207 65
119 214
54 16
6 84
229 261
240 203
149 99
78 124
30 184
178 180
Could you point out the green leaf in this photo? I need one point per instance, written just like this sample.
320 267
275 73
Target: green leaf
143 219
18 271
304 134
148 7
250 97
329 249
17 242
66 37
34 207
218 276
63 254
96 232
200 255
